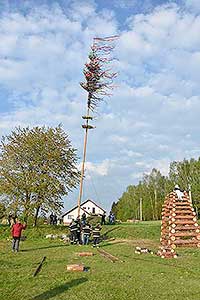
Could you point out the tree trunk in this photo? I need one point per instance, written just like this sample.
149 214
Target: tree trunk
26 207
36 215
156 204
153 215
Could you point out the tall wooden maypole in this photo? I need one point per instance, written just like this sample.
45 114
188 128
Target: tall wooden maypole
98 81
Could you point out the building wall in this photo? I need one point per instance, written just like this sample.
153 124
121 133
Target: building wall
89 207
72 215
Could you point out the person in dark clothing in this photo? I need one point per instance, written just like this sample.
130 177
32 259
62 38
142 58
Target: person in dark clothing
111 218
73 230
51 217
86 230
10 217
103 219
15 219
79 226
83 219
55 220
96 235
16 234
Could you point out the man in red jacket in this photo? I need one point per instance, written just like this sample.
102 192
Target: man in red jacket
16 234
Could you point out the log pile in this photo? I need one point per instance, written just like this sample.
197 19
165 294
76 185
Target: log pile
179 225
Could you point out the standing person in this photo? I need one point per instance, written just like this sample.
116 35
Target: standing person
103 219
51 218
55 220
10 217
79 227
113 218
16 234
178 192
110 217
83 218
73 230
86 230
96 235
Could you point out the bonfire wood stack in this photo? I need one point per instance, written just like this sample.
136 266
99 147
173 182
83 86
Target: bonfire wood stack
179 225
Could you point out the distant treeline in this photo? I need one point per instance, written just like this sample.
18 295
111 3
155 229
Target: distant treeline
153 188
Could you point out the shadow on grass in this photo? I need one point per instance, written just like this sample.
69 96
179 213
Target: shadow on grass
60 289
40 248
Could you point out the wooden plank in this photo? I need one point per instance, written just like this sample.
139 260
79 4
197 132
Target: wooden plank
184 222
186 242
185 233
185 211
39 267
189 227
188 217
108 255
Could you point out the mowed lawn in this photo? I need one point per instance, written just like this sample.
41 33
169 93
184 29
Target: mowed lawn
134 276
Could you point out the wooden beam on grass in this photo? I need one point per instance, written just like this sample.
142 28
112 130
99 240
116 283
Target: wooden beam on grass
39 267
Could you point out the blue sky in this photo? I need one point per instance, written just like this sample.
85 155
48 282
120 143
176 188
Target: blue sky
152 117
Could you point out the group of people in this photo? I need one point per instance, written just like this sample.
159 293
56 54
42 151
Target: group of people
53 219
81 232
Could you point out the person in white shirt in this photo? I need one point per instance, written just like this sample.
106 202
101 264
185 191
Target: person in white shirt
179 193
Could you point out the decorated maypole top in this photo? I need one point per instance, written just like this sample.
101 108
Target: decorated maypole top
98 75
98 83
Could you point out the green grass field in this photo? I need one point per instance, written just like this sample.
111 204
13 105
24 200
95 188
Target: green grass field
135 276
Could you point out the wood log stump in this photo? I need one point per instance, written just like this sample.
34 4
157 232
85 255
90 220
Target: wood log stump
85 254
75 267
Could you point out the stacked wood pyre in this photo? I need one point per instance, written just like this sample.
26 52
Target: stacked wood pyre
179 225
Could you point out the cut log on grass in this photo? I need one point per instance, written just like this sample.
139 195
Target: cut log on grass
85 254
75 267
39 267
186 242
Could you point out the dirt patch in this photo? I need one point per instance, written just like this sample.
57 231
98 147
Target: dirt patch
137 242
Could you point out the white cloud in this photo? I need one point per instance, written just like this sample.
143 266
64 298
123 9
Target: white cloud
100 169
152 117
194 5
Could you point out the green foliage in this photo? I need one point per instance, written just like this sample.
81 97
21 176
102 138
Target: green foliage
150 192
37 168
114 208
93 220
153 189
186 173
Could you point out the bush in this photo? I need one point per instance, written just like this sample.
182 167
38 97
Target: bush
94 220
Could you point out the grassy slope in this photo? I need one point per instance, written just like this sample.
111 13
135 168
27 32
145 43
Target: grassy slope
138 277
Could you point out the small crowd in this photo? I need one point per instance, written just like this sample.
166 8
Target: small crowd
81 232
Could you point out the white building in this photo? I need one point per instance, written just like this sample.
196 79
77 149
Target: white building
88 207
